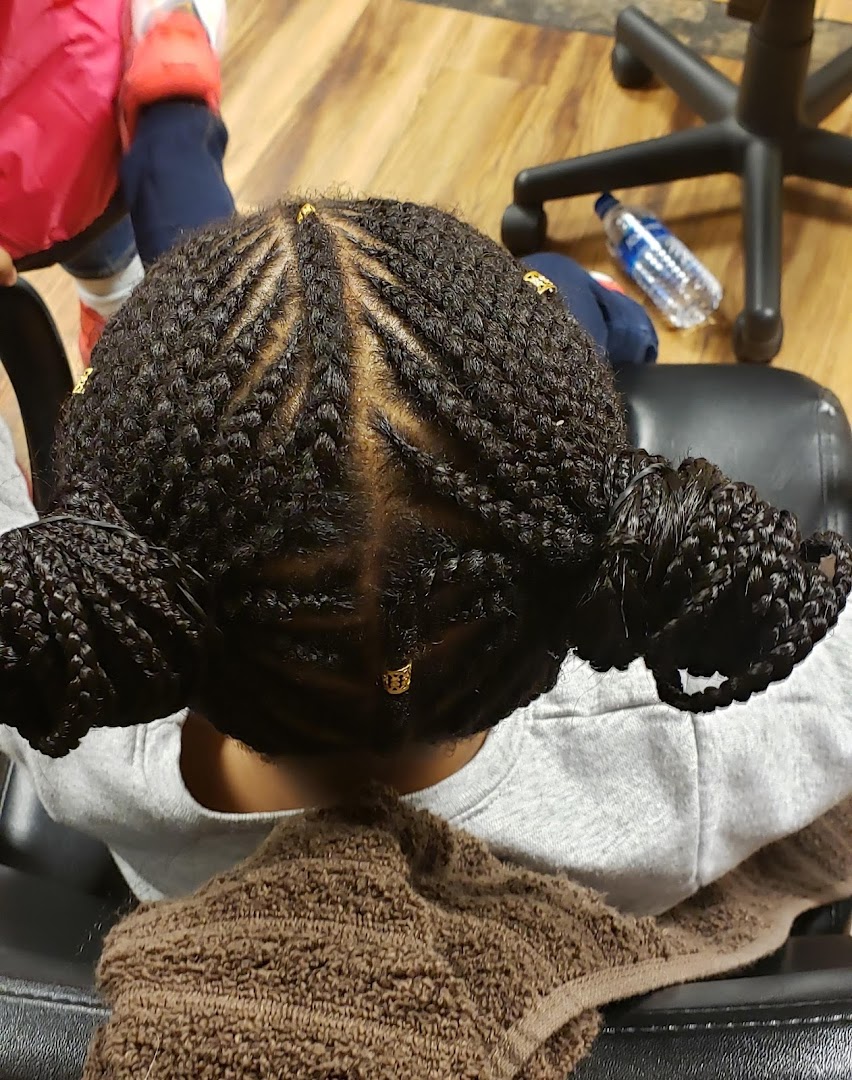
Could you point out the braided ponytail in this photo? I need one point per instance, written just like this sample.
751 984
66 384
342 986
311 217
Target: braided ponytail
98 627
700 575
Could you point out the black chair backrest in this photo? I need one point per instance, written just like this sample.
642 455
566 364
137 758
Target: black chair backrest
32 353
775 429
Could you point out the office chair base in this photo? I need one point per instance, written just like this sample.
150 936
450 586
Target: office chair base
524 228
628 70
757 336
762 131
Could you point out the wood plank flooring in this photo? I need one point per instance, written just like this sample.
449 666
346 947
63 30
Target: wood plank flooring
424 102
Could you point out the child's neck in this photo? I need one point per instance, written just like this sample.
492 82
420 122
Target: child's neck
224 775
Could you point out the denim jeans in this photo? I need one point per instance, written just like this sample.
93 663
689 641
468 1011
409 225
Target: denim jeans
172 183
620 327
107 254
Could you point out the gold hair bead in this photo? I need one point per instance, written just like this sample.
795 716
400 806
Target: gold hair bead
81 382
305 211
539 282
397 682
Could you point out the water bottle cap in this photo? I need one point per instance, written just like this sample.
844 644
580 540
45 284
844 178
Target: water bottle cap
605 203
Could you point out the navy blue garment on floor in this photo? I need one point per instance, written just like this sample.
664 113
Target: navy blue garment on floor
620 327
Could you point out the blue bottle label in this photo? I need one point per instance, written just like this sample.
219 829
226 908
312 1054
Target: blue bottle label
634 241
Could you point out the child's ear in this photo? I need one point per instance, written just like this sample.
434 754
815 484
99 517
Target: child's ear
8 273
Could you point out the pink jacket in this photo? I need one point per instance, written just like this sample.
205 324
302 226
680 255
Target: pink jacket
60 71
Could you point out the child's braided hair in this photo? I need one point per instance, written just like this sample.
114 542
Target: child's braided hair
315 450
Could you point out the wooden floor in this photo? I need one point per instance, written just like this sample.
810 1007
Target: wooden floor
432 104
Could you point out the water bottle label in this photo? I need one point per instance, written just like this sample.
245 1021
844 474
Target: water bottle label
634 241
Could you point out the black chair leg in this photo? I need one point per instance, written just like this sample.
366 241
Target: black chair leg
759 328
823 155
695 152
705 90
829 87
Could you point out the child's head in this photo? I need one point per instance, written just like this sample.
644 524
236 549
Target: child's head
322 445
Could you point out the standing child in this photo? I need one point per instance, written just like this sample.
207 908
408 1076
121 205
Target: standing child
101 100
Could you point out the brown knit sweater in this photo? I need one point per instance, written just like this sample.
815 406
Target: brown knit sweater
376 942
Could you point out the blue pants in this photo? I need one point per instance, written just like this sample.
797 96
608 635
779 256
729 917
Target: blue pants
620 327
172 182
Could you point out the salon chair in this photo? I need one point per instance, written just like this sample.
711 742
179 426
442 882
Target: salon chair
763 130
32 353
788 1018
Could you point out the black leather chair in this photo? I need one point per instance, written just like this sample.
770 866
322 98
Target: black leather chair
778 430
789 1018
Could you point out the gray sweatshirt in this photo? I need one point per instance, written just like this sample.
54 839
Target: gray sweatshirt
597 779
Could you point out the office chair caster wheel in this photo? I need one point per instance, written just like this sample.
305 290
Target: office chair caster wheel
524 229
762 346
629 71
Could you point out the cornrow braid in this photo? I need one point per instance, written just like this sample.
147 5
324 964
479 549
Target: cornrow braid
323 444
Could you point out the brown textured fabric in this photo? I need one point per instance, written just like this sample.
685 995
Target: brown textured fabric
376 942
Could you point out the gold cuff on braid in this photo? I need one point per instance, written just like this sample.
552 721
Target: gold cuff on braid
306 210
397 682
539 282
81 382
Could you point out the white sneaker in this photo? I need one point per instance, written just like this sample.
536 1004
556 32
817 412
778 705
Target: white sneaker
212 14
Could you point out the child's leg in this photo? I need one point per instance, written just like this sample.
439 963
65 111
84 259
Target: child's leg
620 327
107 270
171 176
172 51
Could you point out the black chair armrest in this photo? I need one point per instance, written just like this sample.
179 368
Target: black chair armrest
794 1024
50 940
45 1030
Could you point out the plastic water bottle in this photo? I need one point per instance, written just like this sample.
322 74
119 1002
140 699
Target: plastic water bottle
661 265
